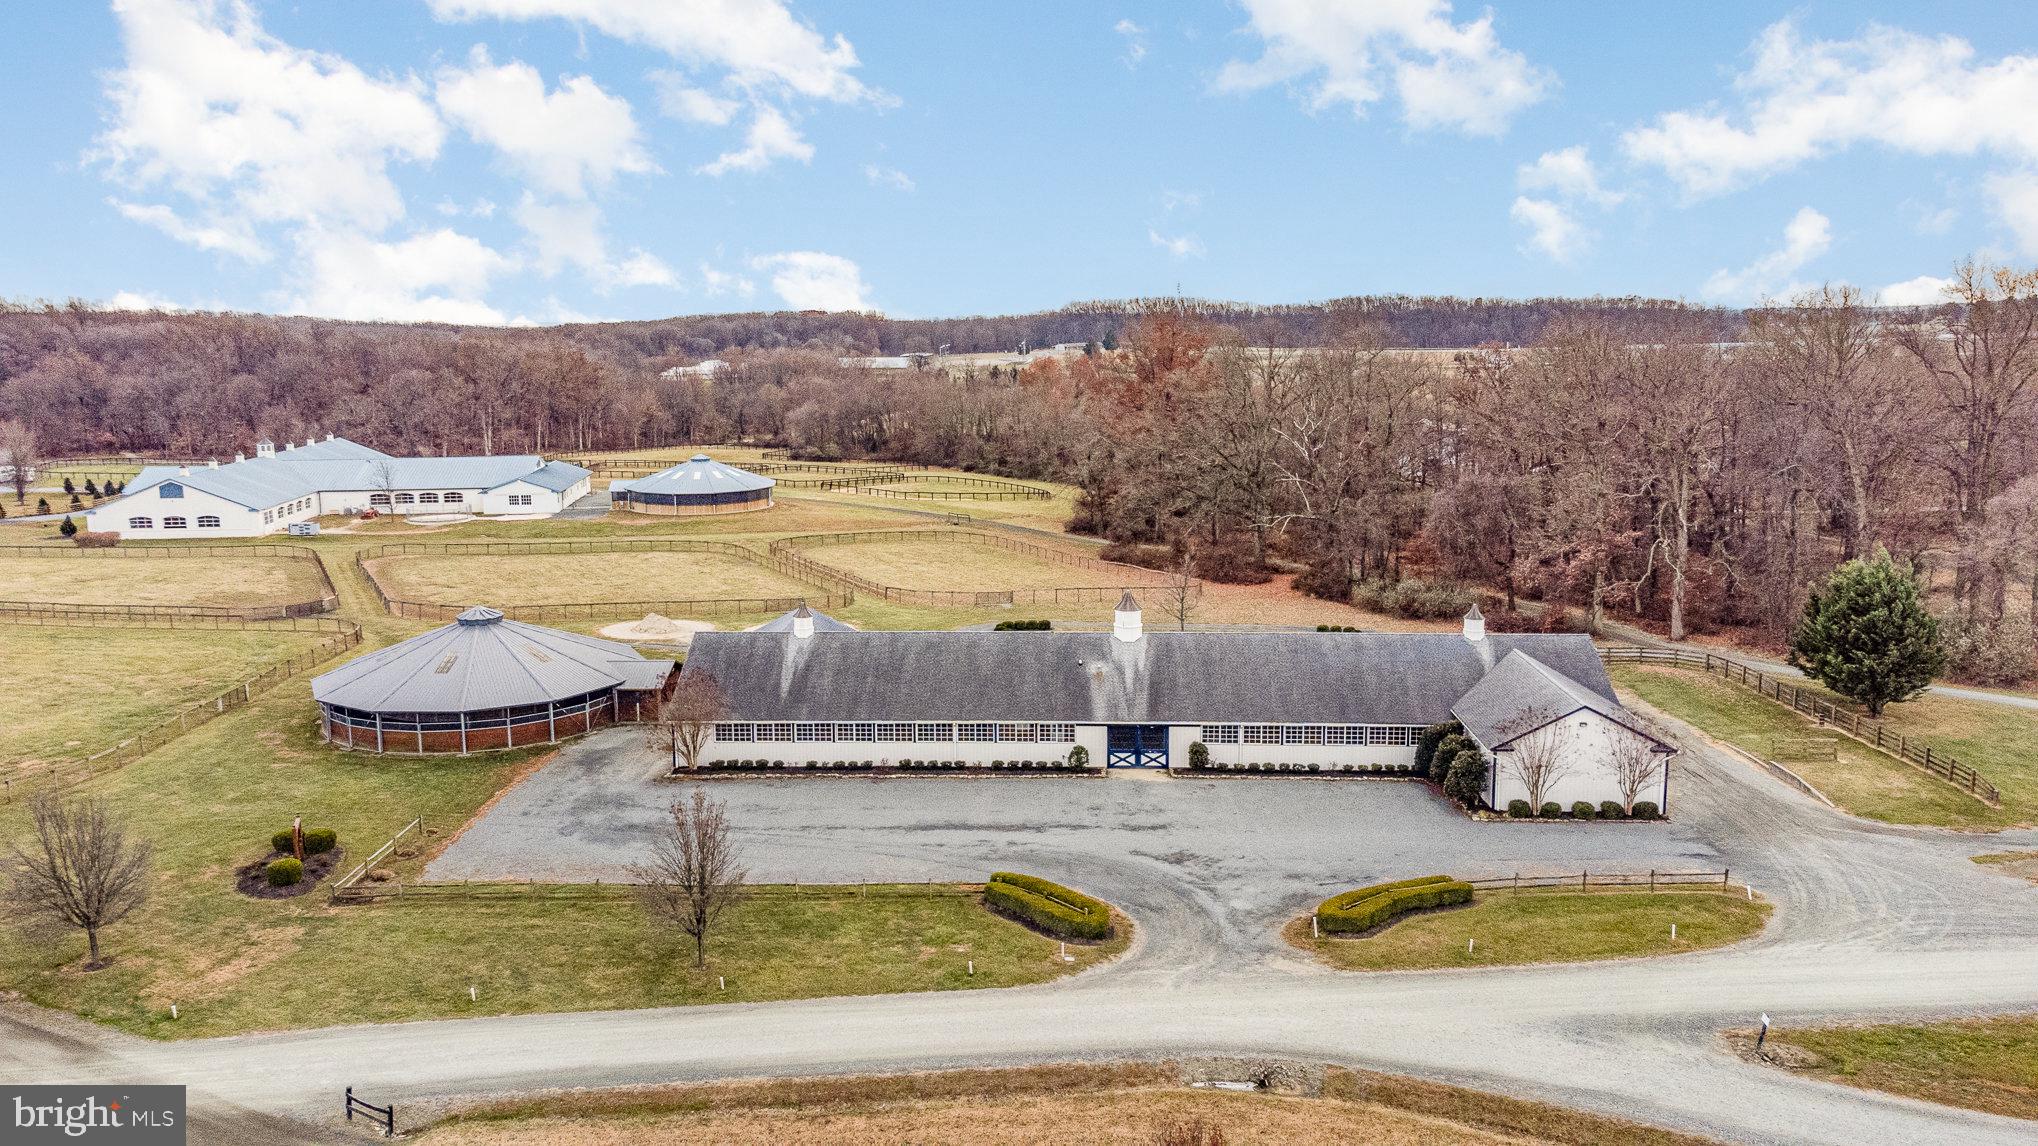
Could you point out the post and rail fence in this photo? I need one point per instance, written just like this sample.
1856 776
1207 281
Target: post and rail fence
1822 711
1587 880
383 1116
788 548
327 601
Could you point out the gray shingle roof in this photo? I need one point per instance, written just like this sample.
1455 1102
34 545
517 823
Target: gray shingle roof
823 623
338 464
698 475
482 661
1523 694
1088 677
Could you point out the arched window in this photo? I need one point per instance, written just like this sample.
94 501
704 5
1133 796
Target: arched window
173 523
455 498
208 521
141 523
428 499
404 499
378 499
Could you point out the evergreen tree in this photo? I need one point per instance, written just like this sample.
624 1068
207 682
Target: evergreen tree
91 488
77 502
1465 781
69 528
1865 634
1433 737
42 505
68 487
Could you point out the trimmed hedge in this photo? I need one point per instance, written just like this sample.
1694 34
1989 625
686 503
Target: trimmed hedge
1369 907
1646 810
1609 810
1049 906
1023 627
1519 809
318 841
1551 809
1581 810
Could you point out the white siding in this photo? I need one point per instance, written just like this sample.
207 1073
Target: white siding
234 520
1588 743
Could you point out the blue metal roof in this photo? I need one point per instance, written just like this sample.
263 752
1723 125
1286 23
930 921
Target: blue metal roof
699 475
337 464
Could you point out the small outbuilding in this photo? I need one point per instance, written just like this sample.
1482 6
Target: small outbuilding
699 485
486 682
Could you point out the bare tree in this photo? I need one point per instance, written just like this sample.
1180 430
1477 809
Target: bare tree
1182 593
1537 753
18 456
683 722
1637 765
693 876
383 477
78 871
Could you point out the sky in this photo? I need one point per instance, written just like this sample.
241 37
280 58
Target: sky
545 161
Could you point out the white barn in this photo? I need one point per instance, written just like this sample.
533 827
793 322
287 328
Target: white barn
814 691
250 497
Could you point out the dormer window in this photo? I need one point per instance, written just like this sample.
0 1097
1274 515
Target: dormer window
169 489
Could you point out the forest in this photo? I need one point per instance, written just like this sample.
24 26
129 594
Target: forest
1691 468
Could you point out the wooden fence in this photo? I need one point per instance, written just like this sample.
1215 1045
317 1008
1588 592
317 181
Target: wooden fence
201 713
41 613
1821 710
327 600
1586 881
788 548
976 489
824 598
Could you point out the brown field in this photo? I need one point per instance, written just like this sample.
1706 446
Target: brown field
159 580
952 565
541 579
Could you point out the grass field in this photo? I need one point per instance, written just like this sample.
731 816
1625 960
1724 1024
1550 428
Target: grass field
552 579
1546 926
1983 1064
1131 1103
950 565
1860 779
159 581
78 690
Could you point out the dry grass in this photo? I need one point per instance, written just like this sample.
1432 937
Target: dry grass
159 581
1107 1103
956 565
1982 1064
552 579
2022 864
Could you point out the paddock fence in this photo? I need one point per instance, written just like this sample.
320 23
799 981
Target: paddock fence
831 592
974 489
44 613
327 600
1823 712
788 548
184 720
1587 880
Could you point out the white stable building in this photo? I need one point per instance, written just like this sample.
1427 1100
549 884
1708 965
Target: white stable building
813 691
250 497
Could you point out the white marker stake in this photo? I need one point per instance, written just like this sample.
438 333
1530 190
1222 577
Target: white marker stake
972 967
1750 891
1313 932
1469 944
1673 933
473 994
173 1010
723 981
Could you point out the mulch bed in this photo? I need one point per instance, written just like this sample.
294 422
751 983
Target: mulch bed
253 880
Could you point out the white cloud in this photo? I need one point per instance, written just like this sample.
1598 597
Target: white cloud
681 100
1135 42
1932 220
2016 201
892 177
715 281
1805 237
771 137
571 234
1802 100
227 238
1925 290
432 276
563 142
208 103
480 208
1568 173
763 46
1553 230
812 280
1172 201
1180 246
1446 74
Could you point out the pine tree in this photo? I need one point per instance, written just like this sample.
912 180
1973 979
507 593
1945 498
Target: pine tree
91 488
68 528
1866 635
42 505
1465 781
68 487
77 502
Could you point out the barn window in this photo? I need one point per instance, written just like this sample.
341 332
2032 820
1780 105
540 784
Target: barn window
1262 734
730 733
1058 733
897 733
428 499
776 733
1344 734
856 733
174 523
981 733
405 499
1017 734
934 733
208 521
1220 734
520 499
814 733
454 497
378 499
141 523
169 489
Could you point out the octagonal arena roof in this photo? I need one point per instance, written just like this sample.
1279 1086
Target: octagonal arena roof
483 660
699 475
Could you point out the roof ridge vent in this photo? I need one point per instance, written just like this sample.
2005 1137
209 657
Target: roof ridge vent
1475 624
479 615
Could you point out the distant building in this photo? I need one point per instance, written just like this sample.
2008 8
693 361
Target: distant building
707 369
886 362
250 497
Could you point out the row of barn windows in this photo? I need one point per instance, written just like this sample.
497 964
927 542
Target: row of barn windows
476 718
882 732
283 511
450 497
205 521
1402 735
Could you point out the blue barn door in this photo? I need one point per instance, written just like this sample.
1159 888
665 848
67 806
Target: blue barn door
1136 746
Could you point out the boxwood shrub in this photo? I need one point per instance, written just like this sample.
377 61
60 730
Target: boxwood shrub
1519 809
1609 810
280 842
1369 907
318 841
1581 810
1049 906
1646 810
1552 809
284 872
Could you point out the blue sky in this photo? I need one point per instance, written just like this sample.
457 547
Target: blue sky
553 160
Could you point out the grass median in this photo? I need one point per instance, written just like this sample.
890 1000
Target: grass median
1981 1064
1545 925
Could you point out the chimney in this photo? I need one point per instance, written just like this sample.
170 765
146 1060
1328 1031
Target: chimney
184 471
239 457
329 435
1125 624
803 622
289 445
1475 624
212 463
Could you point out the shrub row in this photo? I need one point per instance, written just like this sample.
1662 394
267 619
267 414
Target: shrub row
1421 600
1368 907
317 841
1022 627
1581 810
1257 766
1049 906
1339 629
904 765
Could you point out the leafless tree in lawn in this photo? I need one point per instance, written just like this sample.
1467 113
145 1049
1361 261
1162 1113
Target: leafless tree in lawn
683 721
1182 592
1538 753
1637 766
78 870
18 456
693 876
